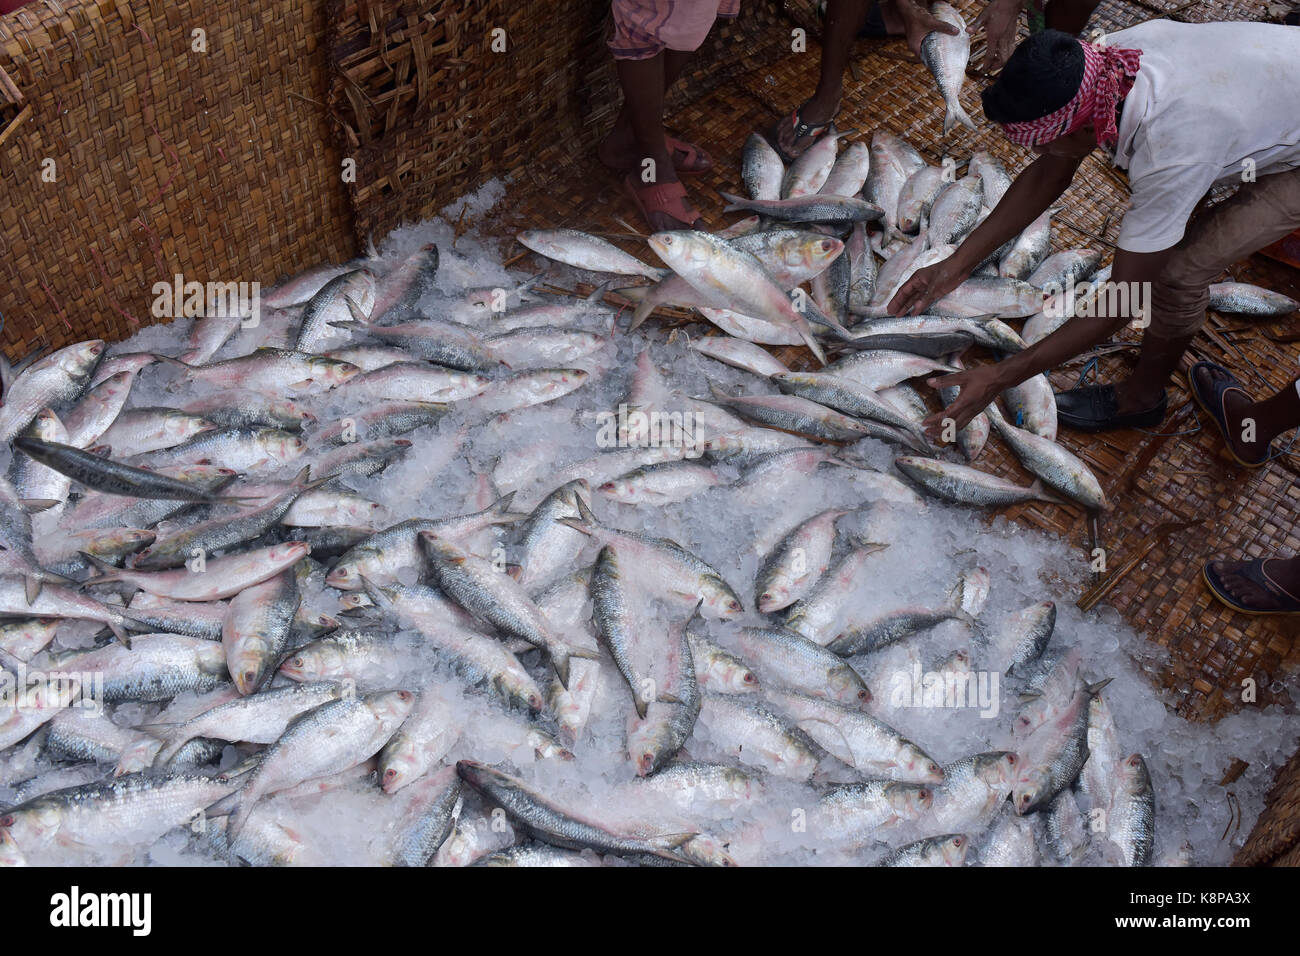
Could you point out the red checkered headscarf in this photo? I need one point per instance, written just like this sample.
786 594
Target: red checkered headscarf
1108 75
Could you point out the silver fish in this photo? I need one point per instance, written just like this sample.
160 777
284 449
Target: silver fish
584 251
761 168
1242 298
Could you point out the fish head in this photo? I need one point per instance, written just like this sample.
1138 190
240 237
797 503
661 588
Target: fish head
391 707
909 800
847 688
32 824
346 576
400 763
247 663
318 661
10 855
953 849
1133 774
808 253
775 597
47 427
76 359
1030 791
681 249
330 371
281 445
719 599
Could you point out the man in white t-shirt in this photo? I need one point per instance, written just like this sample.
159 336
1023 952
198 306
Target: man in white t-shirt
1182 107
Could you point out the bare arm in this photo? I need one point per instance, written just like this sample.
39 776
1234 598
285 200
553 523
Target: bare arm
1032 193
983 384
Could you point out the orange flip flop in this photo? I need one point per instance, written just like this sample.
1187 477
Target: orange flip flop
667 198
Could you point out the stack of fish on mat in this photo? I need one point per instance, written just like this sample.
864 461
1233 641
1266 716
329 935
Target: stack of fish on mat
253 647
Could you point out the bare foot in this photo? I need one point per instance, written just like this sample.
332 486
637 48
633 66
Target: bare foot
1237 408
1284 573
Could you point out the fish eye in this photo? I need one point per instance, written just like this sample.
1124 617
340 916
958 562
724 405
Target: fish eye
404 695
7 820
750 678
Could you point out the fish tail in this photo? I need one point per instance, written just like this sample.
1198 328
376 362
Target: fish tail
734 202
955 114
107 573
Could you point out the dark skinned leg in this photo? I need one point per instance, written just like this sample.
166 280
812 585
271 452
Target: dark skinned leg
1273 416
1157 361
643 101
621 141
844 18
1069 16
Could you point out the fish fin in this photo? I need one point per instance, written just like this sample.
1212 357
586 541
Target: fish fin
36 505
640 314
666 698
672 841
634 293
120 633
376 593
598 294
357 315
640 705
526 288
734 202
168 360
583 654
805 333
303 385
1043 493
848 748
6 374
560 661
32 587
1095 689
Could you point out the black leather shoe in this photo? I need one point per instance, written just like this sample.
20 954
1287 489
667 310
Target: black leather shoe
1092 408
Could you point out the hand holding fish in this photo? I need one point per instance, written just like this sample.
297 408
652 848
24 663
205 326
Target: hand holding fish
918 21
999 20
979 387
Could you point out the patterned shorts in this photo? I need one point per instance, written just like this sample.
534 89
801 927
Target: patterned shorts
643 28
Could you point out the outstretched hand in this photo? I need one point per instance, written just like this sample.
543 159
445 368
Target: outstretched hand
925 287
979 387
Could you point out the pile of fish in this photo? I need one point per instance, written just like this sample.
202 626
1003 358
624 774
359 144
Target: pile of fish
463 563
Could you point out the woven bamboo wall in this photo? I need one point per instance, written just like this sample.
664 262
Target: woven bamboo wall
213 164
430 110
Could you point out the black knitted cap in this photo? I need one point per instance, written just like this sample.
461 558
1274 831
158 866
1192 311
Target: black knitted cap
1040 77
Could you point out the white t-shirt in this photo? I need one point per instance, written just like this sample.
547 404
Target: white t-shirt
1207 97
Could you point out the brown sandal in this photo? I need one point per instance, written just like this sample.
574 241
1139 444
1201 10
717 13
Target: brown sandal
667 198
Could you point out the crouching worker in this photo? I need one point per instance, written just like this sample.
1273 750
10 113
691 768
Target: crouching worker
1182 107
652 41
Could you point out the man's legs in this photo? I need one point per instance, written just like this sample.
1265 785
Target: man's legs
621 147
1260 213
844 18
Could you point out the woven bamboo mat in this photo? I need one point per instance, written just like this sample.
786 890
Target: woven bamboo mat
1150 478
158 159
